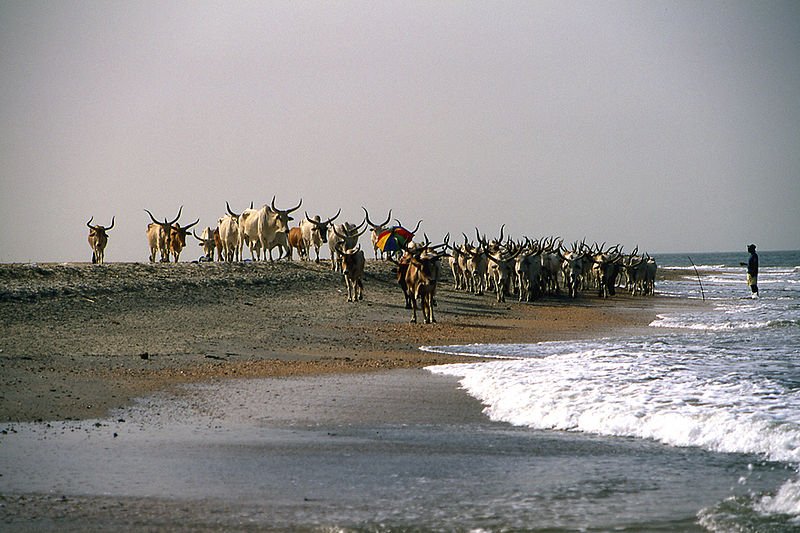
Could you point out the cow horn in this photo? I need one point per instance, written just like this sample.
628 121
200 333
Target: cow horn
416 228
362 225
310 220
154 218
190 225
287 211
230 211
295 208
90 223
376 226
112 224
501 233
478 235
334 217
176 218
198 238
363 231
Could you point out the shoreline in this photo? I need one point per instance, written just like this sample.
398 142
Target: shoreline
81 341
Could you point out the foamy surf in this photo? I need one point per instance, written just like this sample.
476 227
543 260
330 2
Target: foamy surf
722 379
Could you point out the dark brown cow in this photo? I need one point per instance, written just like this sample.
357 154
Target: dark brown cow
353 269
177 238
421 275
98 239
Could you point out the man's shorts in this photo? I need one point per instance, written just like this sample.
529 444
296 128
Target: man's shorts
752 280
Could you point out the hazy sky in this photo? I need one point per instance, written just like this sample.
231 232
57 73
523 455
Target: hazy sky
674 126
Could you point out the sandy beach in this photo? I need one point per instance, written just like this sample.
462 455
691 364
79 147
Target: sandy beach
143 380
79 339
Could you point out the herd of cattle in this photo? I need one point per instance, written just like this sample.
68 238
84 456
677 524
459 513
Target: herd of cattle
528 268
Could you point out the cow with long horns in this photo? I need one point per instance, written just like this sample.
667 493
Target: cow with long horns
344 236
266 228
315 233
421 275
158 236
228 230
352 265
98 239
376 230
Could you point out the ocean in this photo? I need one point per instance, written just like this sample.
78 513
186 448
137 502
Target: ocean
720 384
693 426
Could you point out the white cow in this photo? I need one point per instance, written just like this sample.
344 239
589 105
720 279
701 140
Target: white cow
344 236
228 227
315 233
376 230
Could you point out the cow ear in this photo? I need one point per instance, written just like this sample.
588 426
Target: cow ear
291 218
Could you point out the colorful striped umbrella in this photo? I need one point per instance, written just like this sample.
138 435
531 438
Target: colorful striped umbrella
394 239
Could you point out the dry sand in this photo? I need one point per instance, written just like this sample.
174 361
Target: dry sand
80 339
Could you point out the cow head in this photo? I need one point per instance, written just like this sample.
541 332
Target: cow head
99 231
322 227
376 228
282 216
177 236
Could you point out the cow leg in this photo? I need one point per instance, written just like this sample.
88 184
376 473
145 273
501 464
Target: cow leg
429 302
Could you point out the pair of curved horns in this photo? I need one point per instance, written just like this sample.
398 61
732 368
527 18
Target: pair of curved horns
99 226
376 226
165 223
334 217
287 211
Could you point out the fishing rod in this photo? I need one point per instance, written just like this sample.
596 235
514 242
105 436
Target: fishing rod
702 293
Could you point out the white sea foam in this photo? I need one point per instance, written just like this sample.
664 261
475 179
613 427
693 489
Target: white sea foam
619 392
785 501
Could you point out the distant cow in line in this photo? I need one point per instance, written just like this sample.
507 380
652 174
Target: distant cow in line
210 242
158 236
98 239
228 230
265 228
168 237
296 243
315 233
376 230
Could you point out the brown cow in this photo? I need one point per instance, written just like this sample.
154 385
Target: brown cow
353 269
352 263
296 242
158 236
177 238
421 274
98 239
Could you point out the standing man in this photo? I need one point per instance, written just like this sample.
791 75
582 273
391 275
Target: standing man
752 270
